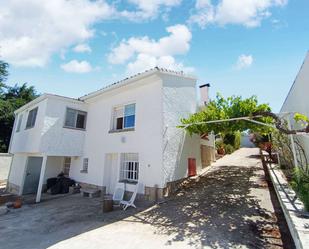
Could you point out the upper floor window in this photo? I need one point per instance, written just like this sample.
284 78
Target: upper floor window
124 117
31 118
20 119
75 119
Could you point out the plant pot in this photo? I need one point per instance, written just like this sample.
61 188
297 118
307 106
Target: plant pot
17 204
221 151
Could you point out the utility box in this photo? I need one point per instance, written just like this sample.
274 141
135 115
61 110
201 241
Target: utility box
191 167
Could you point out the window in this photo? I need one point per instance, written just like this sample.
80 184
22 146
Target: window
75 119
20 119
85 166
129 167
31 118
124 117
66 166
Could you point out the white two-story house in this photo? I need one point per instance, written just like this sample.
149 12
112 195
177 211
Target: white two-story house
124 132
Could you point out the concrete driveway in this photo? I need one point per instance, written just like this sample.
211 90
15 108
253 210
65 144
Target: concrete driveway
229 207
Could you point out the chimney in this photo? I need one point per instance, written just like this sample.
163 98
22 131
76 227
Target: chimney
204 91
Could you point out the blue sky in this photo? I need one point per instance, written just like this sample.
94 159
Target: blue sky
240 47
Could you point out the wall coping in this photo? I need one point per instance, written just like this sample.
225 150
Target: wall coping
6 154
292 211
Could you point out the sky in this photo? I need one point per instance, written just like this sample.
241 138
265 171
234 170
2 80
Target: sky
73 47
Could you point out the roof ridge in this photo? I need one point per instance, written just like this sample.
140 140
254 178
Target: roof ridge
156 68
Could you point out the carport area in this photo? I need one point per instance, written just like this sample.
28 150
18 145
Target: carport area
29 173
230 206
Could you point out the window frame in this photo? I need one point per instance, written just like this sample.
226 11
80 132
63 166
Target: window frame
32 124
77 111
123 116
19 122
65 165
125 171
85 165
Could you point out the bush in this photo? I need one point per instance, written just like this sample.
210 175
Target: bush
300 183
229 149
219 144
237 140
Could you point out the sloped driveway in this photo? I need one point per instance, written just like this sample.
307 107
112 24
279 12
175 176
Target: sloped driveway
229 207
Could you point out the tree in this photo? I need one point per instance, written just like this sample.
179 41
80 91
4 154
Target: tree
225 109
232 112
11 98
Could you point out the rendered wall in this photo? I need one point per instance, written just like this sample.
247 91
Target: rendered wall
179 101
5 163
17 170
54 165
28 140
146 139
57 140
297 101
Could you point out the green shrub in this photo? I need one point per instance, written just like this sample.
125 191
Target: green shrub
219 144
300 183
229 149
237 140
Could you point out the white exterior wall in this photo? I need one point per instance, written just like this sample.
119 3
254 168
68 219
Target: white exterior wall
54 165
146 139
57 140
16 175
297 101
179 101
48 136
28 140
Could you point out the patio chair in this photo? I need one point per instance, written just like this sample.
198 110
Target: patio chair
118 193
130 203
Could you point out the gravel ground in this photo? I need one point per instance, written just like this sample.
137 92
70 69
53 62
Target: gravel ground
229 207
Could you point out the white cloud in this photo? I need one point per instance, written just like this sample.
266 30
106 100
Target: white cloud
249 13
33 30
141 53
75 66
244 61
82 48
148 9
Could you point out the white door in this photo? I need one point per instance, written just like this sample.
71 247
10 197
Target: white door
111 172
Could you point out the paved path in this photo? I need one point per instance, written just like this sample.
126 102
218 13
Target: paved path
229 207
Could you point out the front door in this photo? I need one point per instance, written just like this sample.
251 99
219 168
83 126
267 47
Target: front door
111 172
33 171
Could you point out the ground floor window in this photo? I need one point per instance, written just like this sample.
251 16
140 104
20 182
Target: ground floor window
85 165
129 167
66 166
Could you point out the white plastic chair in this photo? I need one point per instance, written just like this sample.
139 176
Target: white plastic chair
130 203
118 193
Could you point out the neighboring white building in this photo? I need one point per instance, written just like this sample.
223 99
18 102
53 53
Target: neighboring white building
124 132
297 101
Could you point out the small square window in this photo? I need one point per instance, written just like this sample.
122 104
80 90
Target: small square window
75 119
123 117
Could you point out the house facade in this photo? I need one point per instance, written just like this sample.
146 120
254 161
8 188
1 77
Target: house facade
126 132
297 102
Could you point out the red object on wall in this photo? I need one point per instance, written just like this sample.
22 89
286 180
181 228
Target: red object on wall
191 167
